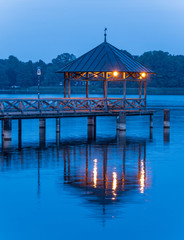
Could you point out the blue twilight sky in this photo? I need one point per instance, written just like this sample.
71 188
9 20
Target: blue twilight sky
42 29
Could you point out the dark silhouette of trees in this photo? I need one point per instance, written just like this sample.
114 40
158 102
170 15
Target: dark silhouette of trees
169 70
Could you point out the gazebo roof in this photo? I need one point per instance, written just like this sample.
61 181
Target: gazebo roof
105 58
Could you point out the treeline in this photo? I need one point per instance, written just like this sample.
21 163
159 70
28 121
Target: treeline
15 73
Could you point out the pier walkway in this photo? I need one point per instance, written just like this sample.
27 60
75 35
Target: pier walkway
27 108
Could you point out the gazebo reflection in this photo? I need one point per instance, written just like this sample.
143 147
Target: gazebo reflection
105 172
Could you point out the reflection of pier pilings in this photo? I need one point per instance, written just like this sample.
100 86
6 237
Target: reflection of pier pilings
6 133
19 133
87 158
105 154
166 118
91 128
39 159
42 132
121 121
58 131
103 182
166 135
66 157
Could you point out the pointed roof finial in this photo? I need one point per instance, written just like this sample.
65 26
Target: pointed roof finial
105 35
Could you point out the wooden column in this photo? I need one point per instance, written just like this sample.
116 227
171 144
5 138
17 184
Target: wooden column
104 90
166 118
145 91
42 132
65 88
124 89
140 87
7 125
87 85
91 128
57 125
105 85
87 89
121 121
69 88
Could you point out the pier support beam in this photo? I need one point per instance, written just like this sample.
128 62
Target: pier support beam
166 118
6 133
7 126
42 132
19 133
57 125
121 121
91 128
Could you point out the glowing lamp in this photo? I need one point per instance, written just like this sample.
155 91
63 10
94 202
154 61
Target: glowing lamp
115 74
143 75
95 75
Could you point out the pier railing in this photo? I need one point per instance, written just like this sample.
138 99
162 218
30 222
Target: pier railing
64 105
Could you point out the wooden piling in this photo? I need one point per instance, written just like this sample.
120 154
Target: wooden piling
7 125
121 121
42 132
57 125
166 118
91 128
92 121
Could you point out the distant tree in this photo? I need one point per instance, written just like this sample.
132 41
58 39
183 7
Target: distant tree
169 70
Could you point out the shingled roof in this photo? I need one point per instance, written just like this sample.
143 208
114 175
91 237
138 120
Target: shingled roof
105 58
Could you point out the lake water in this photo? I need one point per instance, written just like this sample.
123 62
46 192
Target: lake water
125 187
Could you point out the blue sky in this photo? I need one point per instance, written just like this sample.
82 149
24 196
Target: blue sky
42 29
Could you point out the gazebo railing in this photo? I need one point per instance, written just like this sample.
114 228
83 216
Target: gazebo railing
62 105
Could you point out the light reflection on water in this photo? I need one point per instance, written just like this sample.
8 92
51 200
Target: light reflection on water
129 185
100 172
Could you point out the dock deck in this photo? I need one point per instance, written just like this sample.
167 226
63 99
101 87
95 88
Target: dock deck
70 107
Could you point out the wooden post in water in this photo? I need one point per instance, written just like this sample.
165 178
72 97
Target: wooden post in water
121 121
91 128
42 132
7 127
166 118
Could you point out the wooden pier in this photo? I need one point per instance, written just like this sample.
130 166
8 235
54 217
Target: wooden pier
105 63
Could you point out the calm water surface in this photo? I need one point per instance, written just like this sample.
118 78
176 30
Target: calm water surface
125 187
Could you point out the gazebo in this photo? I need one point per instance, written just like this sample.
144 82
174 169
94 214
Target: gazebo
105 63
